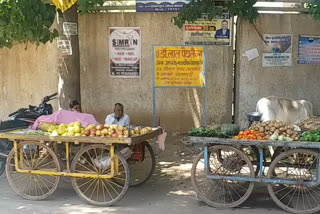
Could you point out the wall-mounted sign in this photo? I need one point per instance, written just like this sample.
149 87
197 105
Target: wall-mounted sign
160 5
179 66
64 45
70 28
204 32
309 50
280 50
125 52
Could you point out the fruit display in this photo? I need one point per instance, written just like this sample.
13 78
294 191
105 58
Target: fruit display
250 135
270 127
313 135
47 127
102 130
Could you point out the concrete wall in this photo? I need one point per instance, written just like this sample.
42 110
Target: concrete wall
26 76
28 73
254 82
178 109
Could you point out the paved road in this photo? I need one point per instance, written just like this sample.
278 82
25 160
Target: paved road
157 196
169 191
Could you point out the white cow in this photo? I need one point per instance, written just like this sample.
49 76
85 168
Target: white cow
284 109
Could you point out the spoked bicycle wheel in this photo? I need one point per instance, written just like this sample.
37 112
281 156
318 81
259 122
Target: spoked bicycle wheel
222 193
253 154
2 165
33 156
95 159
297 165
141 164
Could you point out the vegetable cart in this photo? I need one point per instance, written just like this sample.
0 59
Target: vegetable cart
99 172
223 175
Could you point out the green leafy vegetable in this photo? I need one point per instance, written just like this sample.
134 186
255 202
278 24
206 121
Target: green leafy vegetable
202 132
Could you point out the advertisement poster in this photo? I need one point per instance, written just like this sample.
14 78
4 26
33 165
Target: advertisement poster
309 50
280 50
64 45
70 28
205 32
125 52
179 66
160 5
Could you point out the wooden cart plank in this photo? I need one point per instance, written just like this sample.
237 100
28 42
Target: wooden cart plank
104 140
258 143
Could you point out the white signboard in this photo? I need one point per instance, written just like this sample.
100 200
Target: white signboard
64 46
70 28
280 50
125 52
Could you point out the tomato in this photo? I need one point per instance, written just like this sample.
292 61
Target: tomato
241 133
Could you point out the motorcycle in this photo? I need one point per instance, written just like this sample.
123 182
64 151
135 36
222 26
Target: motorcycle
22 119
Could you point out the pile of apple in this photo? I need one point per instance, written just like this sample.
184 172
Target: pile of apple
104 130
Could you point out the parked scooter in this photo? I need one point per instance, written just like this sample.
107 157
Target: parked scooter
22 119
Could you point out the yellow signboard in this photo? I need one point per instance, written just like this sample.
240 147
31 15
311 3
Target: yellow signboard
179 66
63 5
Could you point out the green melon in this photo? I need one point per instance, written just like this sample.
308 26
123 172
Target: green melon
230 129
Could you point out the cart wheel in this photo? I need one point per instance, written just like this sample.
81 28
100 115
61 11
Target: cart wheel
96 191
299 165
33 156
222 193
141 164
2 165
252 153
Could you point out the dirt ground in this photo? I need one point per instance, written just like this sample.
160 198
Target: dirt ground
168 191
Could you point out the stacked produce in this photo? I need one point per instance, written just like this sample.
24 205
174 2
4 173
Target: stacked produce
313 135
250 135
312 123
269 129
102 130
202 132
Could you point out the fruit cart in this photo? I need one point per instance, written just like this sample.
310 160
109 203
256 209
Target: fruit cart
223 175
100 171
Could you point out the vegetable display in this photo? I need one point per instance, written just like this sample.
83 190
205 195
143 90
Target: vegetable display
202 132
250 135
270 127
311 136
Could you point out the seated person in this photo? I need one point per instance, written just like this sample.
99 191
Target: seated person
118 118
75 106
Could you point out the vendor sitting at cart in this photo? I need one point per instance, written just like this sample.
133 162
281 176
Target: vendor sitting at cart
75 106
118 117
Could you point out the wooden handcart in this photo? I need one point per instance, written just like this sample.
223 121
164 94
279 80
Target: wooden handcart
99 172
223 175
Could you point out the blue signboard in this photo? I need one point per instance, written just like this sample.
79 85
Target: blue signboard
160 5
309 50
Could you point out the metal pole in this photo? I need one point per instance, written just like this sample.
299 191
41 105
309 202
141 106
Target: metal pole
154 102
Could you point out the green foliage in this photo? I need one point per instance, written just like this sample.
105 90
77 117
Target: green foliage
314 9
86 6
243 9
26 21
196 8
